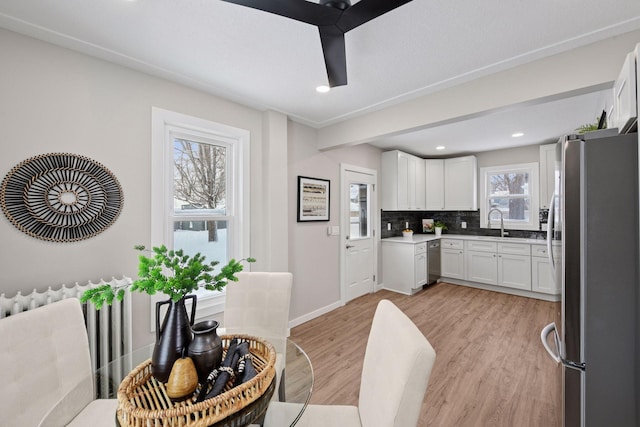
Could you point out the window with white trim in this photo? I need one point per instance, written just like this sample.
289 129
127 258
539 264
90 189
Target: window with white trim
199 190
513 190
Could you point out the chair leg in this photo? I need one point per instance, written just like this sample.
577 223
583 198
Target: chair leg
282 397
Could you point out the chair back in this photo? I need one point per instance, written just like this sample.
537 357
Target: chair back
258 304
45 359
396 369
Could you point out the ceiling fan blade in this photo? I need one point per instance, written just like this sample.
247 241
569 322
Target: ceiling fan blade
299 10
335 58
365 11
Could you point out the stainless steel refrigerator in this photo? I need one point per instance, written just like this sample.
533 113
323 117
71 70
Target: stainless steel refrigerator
595 339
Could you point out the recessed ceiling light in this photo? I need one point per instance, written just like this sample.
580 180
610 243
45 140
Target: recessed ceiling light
440 147
517 134
323 89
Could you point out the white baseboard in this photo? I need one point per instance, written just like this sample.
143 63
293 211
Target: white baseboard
317 313
504 290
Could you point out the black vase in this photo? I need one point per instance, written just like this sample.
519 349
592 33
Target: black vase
206 348
173 338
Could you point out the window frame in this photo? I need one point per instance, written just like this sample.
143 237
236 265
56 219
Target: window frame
533 185
166 125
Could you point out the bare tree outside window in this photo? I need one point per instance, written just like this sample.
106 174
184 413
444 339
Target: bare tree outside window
200 178
509 193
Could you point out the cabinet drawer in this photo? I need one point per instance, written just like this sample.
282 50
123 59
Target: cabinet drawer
452 244
539 250
514 248
473 245
420 248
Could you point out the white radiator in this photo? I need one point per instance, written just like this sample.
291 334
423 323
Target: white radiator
109 329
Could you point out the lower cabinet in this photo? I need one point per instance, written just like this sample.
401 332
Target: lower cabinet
542 279
502 264
514 271
482 267
404 266
452 258
519 266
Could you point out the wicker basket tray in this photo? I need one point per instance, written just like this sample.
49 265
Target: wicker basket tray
143 401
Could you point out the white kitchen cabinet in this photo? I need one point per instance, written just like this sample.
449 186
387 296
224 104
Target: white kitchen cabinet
452 258
403 181
461 184
404 266
502 264
482 267
625 109
547 174
481 261
541 276
514 271
434 188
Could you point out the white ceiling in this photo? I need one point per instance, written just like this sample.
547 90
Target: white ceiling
270 62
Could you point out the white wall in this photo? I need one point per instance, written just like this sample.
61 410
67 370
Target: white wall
56 100
508 156
314 257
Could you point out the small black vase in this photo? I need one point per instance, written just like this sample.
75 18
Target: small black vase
173 337
206 348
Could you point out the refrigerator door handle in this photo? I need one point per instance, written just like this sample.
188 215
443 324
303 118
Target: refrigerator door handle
546 331
550 232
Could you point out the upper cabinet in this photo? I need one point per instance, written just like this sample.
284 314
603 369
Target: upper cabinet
403 182
434 189
547 174
461 184
412 183
625 110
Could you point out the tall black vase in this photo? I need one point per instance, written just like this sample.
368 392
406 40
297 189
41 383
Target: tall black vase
173 337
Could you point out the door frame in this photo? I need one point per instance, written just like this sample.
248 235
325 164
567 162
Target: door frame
344 226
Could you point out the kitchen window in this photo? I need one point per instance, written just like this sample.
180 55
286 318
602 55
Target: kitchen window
199 191
513 190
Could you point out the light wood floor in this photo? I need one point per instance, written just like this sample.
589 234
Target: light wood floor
490 370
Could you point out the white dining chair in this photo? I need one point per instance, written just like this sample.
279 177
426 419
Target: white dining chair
395 373
258 304
47 379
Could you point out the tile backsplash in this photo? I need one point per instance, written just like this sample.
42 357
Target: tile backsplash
453 220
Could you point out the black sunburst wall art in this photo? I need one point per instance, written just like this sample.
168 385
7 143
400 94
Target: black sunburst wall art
61 197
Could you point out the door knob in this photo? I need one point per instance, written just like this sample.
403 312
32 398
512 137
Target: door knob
350 246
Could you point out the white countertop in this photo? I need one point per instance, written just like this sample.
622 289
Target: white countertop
419 238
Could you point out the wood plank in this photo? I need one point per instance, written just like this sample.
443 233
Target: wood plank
490 370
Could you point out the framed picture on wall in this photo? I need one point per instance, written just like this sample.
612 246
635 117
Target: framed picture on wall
313 199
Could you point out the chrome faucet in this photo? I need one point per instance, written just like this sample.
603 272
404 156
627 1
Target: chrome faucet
501 220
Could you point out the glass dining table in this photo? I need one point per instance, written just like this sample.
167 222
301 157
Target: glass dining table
296 384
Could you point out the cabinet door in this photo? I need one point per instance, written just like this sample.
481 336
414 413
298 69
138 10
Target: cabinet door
420 182
514 271
452 263
482 267
434 184
460 184
405 169
547 173
420 273
541 276
624 95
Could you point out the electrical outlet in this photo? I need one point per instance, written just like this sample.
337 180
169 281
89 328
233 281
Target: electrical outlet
389 226
463 224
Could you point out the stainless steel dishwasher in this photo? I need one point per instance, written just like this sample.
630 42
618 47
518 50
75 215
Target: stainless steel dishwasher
433 258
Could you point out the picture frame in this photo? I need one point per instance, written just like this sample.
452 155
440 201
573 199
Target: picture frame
314 197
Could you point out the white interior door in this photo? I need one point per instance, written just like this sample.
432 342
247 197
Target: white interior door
358 225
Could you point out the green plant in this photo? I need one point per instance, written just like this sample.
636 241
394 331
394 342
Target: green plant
589 127
188 274
440 224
